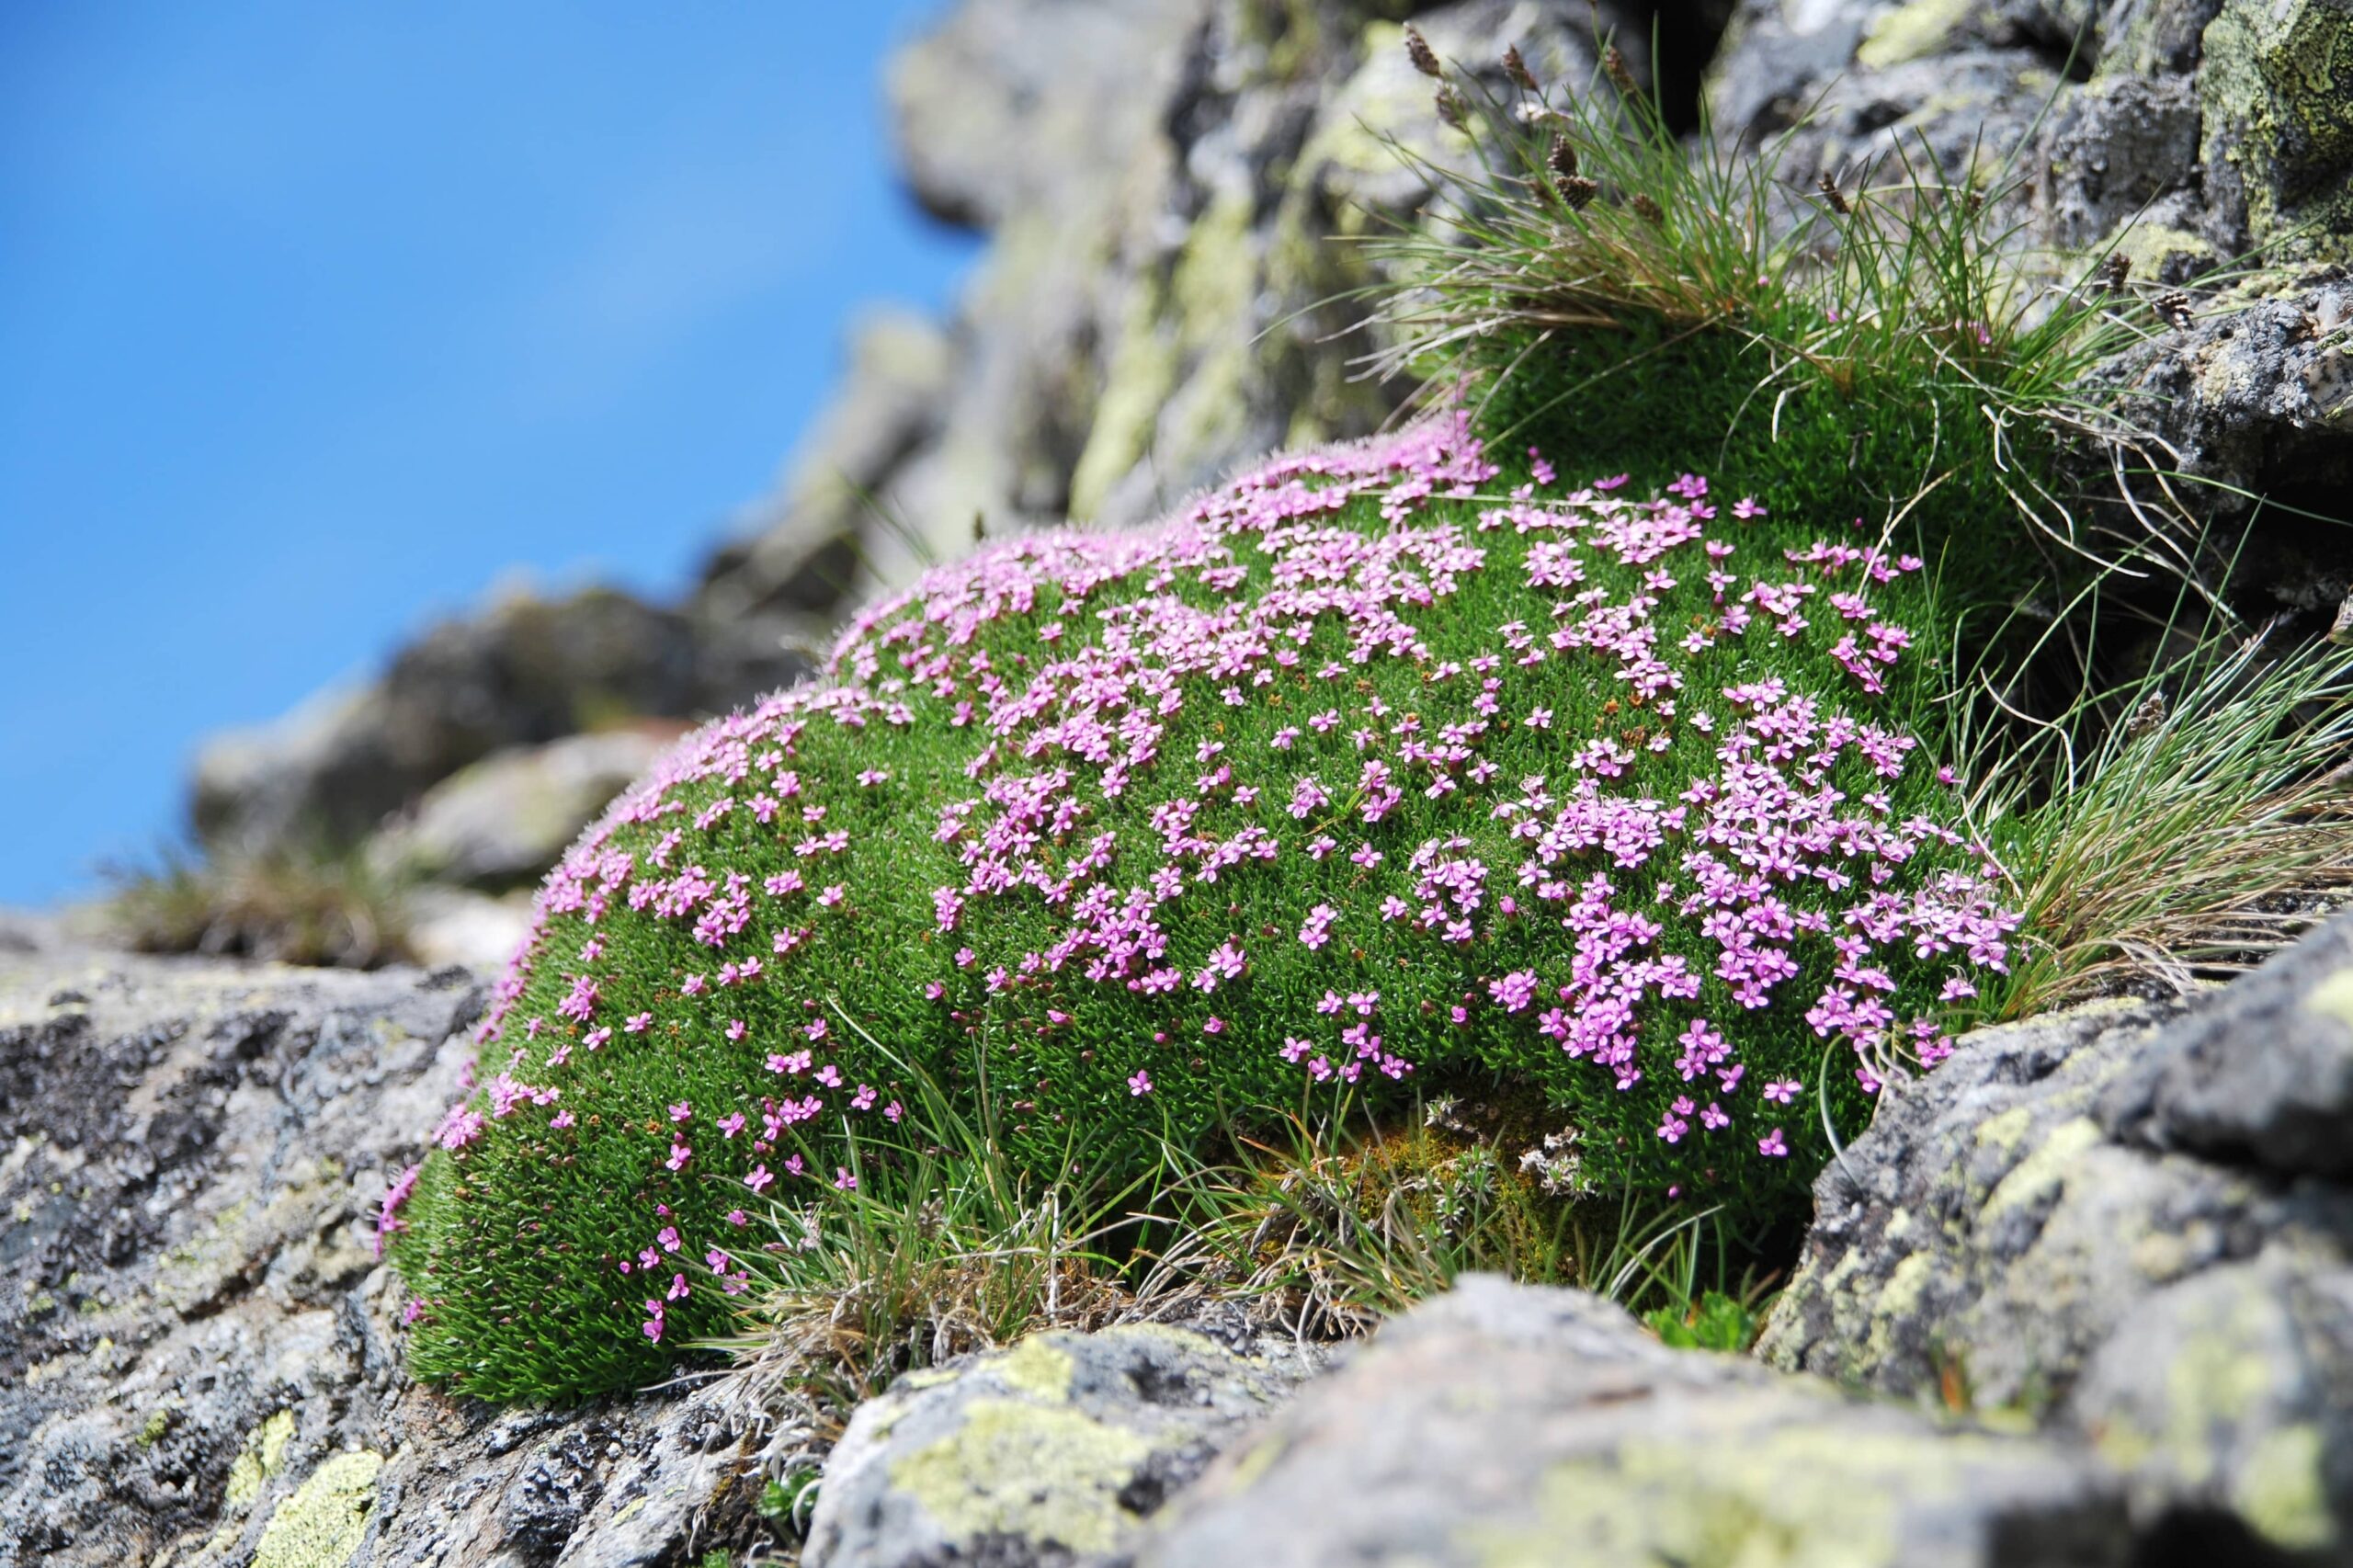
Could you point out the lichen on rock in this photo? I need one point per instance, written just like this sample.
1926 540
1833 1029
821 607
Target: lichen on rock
321 1524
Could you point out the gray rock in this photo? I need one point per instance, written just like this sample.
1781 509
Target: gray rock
2230 1396
1513 1424
1011 105
198 1351
502 821
804 555
2255 394
2261 1075
1056 1453
445 926
2110 1221
525 672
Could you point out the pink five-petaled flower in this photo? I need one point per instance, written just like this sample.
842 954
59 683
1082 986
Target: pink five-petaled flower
761 1178
843 1180
1141 1082
1771 1144
1781 1091
677 1287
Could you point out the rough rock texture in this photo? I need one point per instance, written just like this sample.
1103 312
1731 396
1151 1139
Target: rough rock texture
198 1361
1056 1453
1160 180
1505 1423
2129 1226
2185 134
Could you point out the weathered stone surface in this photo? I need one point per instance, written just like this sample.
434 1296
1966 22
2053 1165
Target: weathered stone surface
198 1348
526 671
2110 1221
2230 1395
804 553
2255 394
1057 1452
2260 1076
502 821
1519 1425
2277 92
1161 185
446 925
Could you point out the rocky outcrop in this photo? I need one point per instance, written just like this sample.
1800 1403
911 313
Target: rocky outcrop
1501 1423
499 822
2132 1225
1176 193
198 1356
527 672
2186 136
1061 1449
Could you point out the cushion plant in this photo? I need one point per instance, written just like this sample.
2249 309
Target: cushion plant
1375 767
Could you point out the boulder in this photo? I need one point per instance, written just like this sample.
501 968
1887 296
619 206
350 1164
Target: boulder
2127 1223
1056 1453
1525 1425
502 821
527 671
198 1349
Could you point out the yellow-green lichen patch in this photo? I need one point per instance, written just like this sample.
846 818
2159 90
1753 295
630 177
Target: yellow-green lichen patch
2282 1492
320 1526
2001 1133
2333 997
2276 97
1801 1496
159 1421
1041 1474
2044 1171
263 1456
1899 1300
1038 1368
1141 369
1911 30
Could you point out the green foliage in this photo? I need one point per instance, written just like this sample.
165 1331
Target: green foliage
1715 1322
2179 827
1884 348
523 1226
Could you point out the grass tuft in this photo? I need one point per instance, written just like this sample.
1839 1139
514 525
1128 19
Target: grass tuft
284 906
1886 340
2181 828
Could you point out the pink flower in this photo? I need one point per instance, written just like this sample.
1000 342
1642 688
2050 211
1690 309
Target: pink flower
760 1180
1771 1144
1140 1083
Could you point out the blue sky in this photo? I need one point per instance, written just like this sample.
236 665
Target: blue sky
317 321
